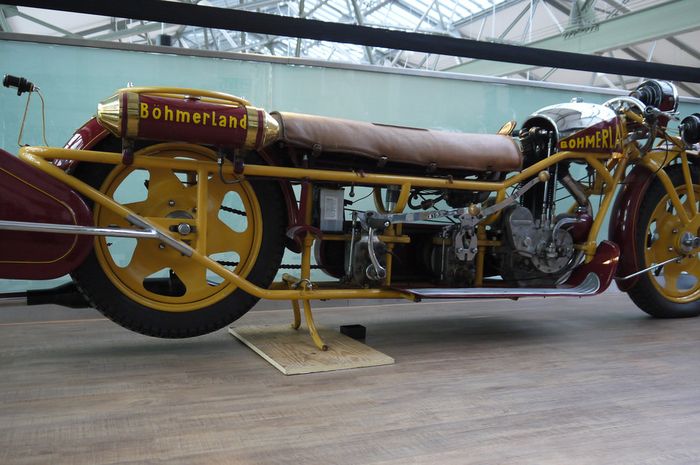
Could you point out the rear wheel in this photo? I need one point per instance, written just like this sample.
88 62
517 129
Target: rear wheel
672 290
152 289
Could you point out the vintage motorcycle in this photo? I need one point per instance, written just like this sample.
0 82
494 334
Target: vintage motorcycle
172 208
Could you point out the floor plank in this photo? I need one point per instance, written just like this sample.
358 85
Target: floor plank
568 381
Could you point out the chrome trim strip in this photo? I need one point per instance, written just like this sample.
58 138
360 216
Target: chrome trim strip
75 230
12 36
589 286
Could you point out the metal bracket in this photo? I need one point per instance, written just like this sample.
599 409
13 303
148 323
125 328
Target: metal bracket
464 213
650 268
375 271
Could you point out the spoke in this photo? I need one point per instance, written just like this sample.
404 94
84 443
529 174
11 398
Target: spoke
221 238
192 275
147 259
663 218
693 268
671 273
217 191
107 218
691 207
660 252
136 207
163 183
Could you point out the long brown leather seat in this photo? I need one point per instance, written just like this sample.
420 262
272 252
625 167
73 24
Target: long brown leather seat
439 149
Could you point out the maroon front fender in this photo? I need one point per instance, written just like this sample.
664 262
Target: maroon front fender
623 223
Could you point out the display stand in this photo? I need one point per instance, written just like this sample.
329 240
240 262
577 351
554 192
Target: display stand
292 353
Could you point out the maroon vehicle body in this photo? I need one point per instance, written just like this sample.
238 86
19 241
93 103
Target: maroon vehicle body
623 223
29 195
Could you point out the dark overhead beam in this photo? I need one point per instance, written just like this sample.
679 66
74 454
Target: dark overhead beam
236 20
685 47
558 6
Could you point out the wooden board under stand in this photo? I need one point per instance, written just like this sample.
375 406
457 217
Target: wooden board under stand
293 352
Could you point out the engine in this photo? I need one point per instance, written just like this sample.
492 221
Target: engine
450 262
534 252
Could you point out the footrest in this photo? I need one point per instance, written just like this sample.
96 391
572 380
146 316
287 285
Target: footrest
589 286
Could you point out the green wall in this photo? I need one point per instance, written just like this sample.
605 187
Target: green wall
74 78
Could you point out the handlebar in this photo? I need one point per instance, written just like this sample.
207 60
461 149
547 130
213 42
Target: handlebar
19 83
653 112
613 102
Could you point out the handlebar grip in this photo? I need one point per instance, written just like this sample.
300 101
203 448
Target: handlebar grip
20 83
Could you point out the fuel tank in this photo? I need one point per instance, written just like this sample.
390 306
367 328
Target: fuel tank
179 117
578 126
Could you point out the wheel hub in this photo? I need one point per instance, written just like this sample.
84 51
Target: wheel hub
184 229
689 242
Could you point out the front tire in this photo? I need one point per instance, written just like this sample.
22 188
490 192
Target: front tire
151 288
673 290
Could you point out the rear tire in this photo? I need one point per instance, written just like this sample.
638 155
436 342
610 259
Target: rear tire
671 291
152 289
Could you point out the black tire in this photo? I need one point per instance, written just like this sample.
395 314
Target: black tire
93 276
657 292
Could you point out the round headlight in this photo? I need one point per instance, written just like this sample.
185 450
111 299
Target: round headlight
659 94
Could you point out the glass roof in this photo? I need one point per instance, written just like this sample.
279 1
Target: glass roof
522 22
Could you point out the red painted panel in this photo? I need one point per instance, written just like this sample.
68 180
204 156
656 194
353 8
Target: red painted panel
163 118
85 138
27 194
623 222
599 138
604 264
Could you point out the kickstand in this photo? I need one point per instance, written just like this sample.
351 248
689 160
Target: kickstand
294 283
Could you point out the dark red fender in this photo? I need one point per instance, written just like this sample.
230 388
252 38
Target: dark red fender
91 134
27 194
623 222
604 263
85 138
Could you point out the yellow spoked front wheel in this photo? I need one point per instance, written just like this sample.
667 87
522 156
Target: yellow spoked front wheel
151 288
671 290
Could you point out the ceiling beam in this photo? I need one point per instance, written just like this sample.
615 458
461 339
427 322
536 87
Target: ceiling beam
684 47
132 31
223 18
515 21
361 21
4 25
655 22
47 25
483 14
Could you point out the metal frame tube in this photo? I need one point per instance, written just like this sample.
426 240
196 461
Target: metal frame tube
39 156
6 225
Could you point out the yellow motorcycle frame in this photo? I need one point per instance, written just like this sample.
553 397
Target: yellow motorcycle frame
610 168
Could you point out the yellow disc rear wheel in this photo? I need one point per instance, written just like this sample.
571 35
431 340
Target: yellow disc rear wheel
151 288
671 290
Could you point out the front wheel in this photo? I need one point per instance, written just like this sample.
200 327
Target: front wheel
152 289
672 290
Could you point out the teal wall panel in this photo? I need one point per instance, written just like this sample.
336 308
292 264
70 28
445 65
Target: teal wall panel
73 79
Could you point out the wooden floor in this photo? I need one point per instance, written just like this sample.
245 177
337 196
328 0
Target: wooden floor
563 382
